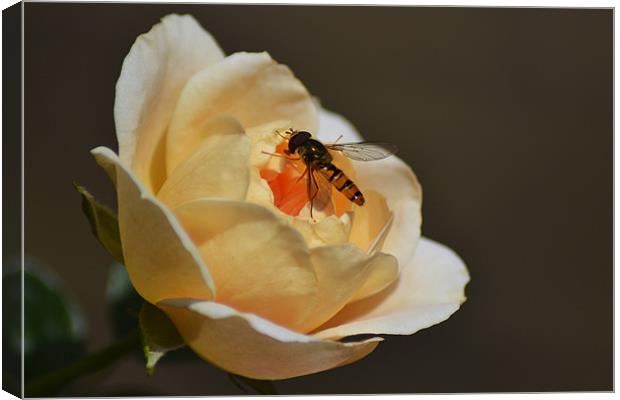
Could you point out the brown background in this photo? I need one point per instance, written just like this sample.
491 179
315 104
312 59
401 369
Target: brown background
504 114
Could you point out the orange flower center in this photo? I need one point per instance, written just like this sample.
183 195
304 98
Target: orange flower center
290 190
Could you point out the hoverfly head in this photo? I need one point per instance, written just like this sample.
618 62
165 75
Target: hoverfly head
296 139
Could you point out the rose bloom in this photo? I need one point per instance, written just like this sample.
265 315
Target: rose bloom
218 234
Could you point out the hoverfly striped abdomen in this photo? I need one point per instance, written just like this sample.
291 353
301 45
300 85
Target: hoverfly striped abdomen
342 183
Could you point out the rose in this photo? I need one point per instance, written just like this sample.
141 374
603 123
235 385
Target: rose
216 232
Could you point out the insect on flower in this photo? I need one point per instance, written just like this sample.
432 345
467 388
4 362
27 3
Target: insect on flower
316 157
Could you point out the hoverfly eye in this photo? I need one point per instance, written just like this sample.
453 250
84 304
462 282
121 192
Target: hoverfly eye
298 138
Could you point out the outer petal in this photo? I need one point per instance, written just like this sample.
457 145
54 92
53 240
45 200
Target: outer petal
333 230
396 182
259 263
219 166
391 178
154 72
248 345
264 140
370 220
250 86
328 231
431 287
379 279
161 260
342 271
263 266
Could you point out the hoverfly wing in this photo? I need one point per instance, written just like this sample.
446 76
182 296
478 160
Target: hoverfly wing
364 151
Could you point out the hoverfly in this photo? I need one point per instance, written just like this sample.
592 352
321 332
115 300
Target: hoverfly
317 158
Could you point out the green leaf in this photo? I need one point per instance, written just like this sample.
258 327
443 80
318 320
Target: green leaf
54 332
159 335
103 223
260 386
11 322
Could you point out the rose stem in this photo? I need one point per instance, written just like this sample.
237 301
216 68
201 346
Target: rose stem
53 381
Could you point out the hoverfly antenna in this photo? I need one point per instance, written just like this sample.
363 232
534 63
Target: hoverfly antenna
277 132
286 135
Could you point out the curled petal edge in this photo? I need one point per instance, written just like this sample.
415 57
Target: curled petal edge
429 290
150 246
251 346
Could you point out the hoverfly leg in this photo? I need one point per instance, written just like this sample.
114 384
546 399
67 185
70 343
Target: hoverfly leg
311 181
302 175
281 155
309 189
316 185
339 137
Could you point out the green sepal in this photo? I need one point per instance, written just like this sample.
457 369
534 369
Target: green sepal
103 223
159 335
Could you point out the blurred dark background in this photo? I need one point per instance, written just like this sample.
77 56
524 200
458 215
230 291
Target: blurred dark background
504 114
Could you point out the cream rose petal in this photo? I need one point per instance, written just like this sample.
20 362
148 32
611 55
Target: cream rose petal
395 180
264 140
250 86
154 72
262 265
251 346
333 230
342 270
258 262
430 288
161 259
218 167
369 221
259 192
379 279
